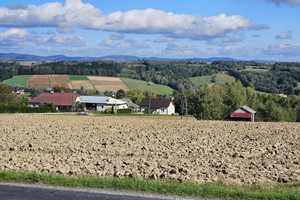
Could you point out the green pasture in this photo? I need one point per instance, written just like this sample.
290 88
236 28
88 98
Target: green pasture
158 89
220 78
18 81
78 78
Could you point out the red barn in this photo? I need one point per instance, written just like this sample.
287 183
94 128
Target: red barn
62 101
243 114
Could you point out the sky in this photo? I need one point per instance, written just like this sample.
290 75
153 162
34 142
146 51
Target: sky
240 29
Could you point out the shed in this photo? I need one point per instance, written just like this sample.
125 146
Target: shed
101 103
62 101
243 114
158 106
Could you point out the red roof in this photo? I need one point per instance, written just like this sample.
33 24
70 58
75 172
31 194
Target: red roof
59 99
240 115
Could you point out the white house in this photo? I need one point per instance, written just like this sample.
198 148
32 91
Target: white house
101 103
158 106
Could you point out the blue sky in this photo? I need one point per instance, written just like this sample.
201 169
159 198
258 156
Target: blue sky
241 29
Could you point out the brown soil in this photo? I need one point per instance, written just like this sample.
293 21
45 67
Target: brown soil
42 81
60 81
39 82
103 84
200 151
85 84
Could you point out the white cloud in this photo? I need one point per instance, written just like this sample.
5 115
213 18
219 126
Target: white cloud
163 39
284 36
75 13
175 49
291 2
66 40
117 36
12 38
65 30
274 52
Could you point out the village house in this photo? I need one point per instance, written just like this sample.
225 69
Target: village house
19 91
62 101
158 106
243 114
101 103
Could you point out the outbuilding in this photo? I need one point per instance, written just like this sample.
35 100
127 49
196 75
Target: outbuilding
101 103
243 114
62 101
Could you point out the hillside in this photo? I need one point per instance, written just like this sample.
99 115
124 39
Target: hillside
99 83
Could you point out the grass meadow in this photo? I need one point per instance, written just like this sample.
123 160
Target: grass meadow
158 89
18 81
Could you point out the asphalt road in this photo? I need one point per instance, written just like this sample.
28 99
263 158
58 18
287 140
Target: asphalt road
16 191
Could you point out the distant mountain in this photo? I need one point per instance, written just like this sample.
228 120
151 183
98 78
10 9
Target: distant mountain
118 58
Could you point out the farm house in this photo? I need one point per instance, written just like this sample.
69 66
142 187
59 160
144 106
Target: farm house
101 103
243 114
62 101
158 106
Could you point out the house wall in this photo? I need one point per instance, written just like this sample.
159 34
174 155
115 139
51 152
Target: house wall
162 111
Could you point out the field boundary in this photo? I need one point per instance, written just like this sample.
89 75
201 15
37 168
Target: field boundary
209 190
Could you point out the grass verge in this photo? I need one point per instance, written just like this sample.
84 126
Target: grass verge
209 190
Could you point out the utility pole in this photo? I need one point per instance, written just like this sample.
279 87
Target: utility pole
186 107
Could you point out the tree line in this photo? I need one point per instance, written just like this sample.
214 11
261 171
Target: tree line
220 100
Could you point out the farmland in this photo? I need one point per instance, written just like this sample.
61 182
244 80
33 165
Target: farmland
186 151
18 81
159 89
87 82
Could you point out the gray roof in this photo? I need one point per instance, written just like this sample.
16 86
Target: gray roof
248 109
94 99
130 103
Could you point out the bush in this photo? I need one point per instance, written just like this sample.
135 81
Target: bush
124 111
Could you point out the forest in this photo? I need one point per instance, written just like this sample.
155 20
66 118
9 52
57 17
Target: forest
278 78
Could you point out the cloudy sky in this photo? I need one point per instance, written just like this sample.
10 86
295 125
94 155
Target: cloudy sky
241 29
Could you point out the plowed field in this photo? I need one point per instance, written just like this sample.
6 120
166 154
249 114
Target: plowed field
42 81
200 151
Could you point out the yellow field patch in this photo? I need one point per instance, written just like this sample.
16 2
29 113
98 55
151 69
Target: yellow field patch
87 85
103 84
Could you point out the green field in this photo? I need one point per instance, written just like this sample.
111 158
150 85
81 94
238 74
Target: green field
18 81
220 78
78 78
158 89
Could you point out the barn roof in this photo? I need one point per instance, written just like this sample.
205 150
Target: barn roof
155 103
100 100
240 115
59 99
248 109
130 103
94 99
